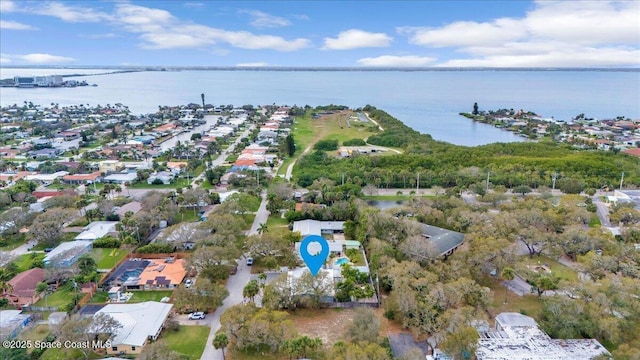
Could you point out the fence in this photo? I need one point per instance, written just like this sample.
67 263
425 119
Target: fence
354 304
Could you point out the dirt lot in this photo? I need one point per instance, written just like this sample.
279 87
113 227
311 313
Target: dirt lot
328 324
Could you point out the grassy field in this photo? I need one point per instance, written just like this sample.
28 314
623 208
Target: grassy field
528 304
12 241
307 131
107 258
277 225
557 269
188 340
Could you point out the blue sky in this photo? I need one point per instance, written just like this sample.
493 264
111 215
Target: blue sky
314 33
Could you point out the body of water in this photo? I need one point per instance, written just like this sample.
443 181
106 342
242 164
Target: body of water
428 101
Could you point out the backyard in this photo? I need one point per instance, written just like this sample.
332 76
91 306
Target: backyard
188 340
107 258
62 297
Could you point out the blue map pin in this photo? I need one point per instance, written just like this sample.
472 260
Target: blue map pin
314 250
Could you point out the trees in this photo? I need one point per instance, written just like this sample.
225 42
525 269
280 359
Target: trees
289 145
221 341
507 274
461 344
47 226
252 328
251 290
365 326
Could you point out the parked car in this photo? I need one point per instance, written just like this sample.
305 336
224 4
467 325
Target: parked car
196 316
188 283
249 261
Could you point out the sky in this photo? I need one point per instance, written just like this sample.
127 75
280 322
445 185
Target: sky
309 33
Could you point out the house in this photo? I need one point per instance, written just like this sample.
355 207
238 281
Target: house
629 196
98 229
141 323
67 253
443 241
133 207
121 178
518 337
176 166
83 178
633 152
315 227
108 166
47 153
12 322
46 178
165 129
148 274
22 289
164 176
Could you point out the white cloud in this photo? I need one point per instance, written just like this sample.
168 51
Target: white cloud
397 61
99 36
7 6
4 60
301 17
253 64
553 33
466 33
14 25
264 20
73 14
194 5
37 59
354 39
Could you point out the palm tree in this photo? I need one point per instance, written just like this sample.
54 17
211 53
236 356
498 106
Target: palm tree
507 274
263 228
220 342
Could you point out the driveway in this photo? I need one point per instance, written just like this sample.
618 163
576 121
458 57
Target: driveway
603 212
235 285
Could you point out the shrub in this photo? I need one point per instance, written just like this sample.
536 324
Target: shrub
156 249
107 242
326 145
354 142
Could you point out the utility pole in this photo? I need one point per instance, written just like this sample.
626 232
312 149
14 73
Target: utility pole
342 178
418 184
621 180
553 179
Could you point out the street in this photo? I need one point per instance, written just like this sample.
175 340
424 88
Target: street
235 285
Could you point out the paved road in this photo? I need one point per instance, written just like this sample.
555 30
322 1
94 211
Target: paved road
7 256
235 285
223 155
287 176
603 212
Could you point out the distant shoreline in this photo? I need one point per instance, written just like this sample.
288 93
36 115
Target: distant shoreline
124 69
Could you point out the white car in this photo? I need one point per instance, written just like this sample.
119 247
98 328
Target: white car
188 283
196 316
249 261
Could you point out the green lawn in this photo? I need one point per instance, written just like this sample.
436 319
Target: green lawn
143 185
528 304
187 215
24 262
61 297
99 298
107 258
11 242
142 296
557 269
188 340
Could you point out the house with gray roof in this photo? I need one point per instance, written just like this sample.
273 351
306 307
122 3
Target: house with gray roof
443 241
316 227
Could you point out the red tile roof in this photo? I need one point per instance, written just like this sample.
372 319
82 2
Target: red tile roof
633 152
24 284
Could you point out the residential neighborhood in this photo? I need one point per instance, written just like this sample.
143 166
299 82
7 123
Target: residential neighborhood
150 231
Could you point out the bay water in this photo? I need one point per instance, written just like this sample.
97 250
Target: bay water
427 101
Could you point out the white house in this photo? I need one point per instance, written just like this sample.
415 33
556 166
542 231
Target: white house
141 323
98 229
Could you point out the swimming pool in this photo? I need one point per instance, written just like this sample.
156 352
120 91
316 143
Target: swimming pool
341 261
